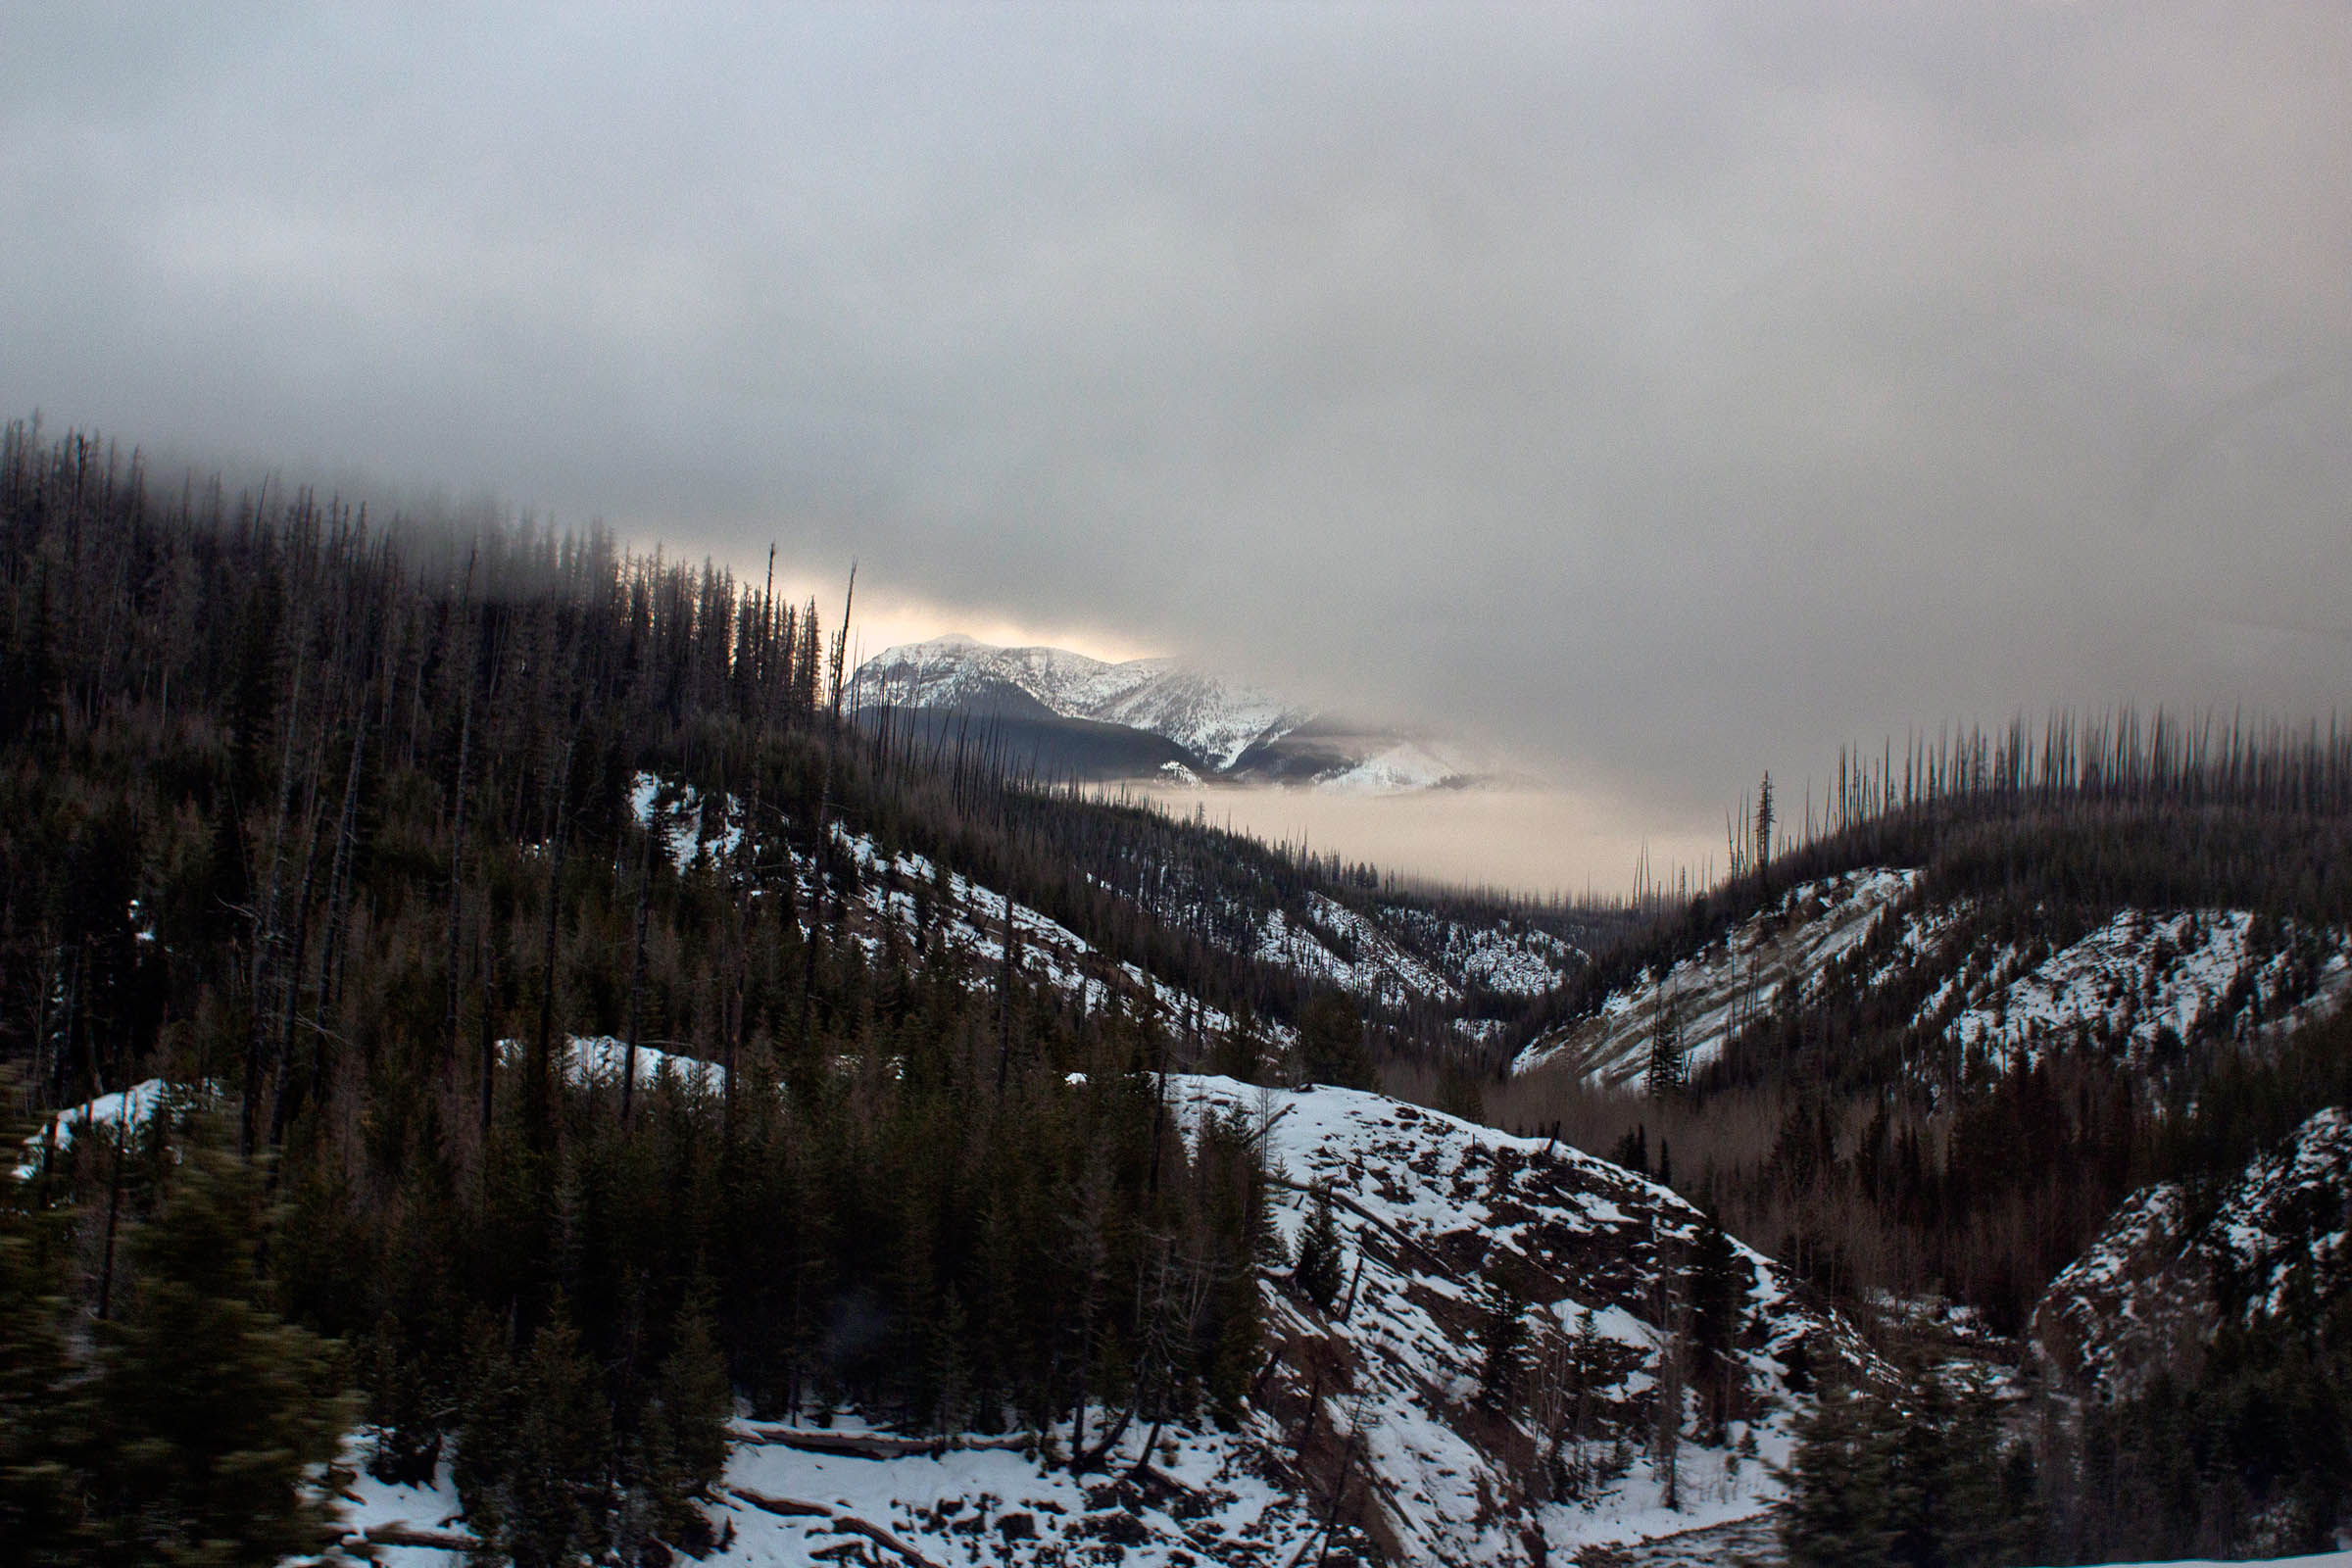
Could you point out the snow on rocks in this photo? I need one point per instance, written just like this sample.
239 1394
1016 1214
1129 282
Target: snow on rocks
2161 1277
130 1109
1203 1498
1717 990
1428 1207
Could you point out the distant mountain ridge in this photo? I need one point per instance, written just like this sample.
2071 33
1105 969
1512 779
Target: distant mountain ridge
1220 728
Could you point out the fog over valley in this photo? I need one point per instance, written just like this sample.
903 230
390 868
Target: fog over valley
1662 392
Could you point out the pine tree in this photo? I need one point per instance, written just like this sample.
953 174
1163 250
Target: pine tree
1835 1515
1718 1284
1318 1271
1664 1078
38 1407
1331 1043
556 1494
211 1418
685 1441
1502 1343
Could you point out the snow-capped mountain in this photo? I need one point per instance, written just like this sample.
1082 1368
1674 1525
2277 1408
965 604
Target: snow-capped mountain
1218 728
1215 721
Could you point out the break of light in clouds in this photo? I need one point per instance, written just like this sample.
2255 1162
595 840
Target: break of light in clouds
1664 391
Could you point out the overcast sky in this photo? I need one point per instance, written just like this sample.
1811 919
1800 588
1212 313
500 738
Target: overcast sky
1669 391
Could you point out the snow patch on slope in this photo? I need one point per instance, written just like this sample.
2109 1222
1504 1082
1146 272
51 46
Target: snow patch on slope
2151 1289
1717 990
2138 982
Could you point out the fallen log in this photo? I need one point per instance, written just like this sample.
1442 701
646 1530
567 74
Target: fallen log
870 1444
399 1535
783 1507
794 1508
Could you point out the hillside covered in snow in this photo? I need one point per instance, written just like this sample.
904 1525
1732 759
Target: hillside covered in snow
1380 1397
1069 713
1977 993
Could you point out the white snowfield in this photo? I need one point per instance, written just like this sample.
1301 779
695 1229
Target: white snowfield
2141 984
1426 1204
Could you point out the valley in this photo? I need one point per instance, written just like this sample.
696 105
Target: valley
649 1099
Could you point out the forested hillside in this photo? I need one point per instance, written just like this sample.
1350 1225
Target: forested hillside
1923 1051
483 992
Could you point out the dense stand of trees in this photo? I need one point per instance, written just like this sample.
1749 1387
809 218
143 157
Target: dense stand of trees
1845 1132
327 824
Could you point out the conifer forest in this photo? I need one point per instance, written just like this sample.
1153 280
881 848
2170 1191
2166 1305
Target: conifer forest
486 1015
450 1043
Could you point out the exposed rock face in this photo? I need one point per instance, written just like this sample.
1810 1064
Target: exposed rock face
2164 1275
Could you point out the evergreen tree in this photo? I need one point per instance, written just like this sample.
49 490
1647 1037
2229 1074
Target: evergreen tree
1331 1043
1318 1271
1664 1077
1835 1515
1501 1343
40 1413
1719 1282
556 1494
211 1418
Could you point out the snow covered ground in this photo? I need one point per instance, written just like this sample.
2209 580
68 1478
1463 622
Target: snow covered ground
132 1106
2153 1289
1428 1207
1715 991
2143 983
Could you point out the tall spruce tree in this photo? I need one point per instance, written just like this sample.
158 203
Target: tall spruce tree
212 1421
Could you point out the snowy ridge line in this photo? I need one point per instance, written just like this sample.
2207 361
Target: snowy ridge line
2144 984
971 920
966 917
1511 957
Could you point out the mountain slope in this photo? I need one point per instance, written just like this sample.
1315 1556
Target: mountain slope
2166 1272
1979 991
1368 1413
1221 729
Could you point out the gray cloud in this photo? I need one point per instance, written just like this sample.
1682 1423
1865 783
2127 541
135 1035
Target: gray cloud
1672 390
